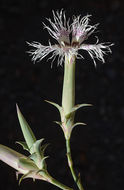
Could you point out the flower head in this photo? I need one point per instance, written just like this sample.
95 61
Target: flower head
70 38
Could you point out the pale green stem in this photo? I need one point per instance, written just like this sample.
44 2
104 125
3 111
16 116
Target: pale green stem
68 94
68 102
56 183
70 163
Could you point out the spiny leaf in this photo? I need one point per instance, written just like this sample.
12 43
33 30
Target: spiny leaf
33 156
42 163
78 123
76 107
24 176
41 170
26 130
43 147
54 104
38 155
24 145
37 146
58 123
17 174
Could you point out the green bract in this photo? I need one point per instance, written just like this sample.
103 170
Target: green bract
26 130
33 166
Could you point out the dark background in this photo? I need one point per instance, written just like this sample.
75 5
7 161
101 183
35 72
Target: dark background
98 148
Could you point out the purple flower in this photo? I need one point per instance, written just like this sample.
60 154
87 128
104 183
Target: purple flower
70 38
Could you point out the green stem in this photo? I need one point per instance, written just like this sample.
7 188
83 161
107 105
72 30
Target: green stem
56 183
68 94
67 117
70 163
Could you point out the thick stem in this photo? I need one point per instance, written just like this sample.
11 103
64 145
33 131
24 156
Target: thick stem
68 94
67 116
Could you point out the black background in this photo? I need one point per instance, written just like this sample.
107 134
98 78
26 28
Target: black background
98 148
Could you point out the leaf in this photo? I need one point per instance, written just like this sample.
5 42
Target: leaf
37 146
24 176
17 174
58 123
76 107
54 104
24 145
33 156
78 123
38 155
43 148
41 170
42 163
26 130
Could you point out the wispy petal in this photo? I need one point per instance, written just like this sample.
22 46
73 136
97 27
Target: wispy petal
97 50
39 51
60 27
81 29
